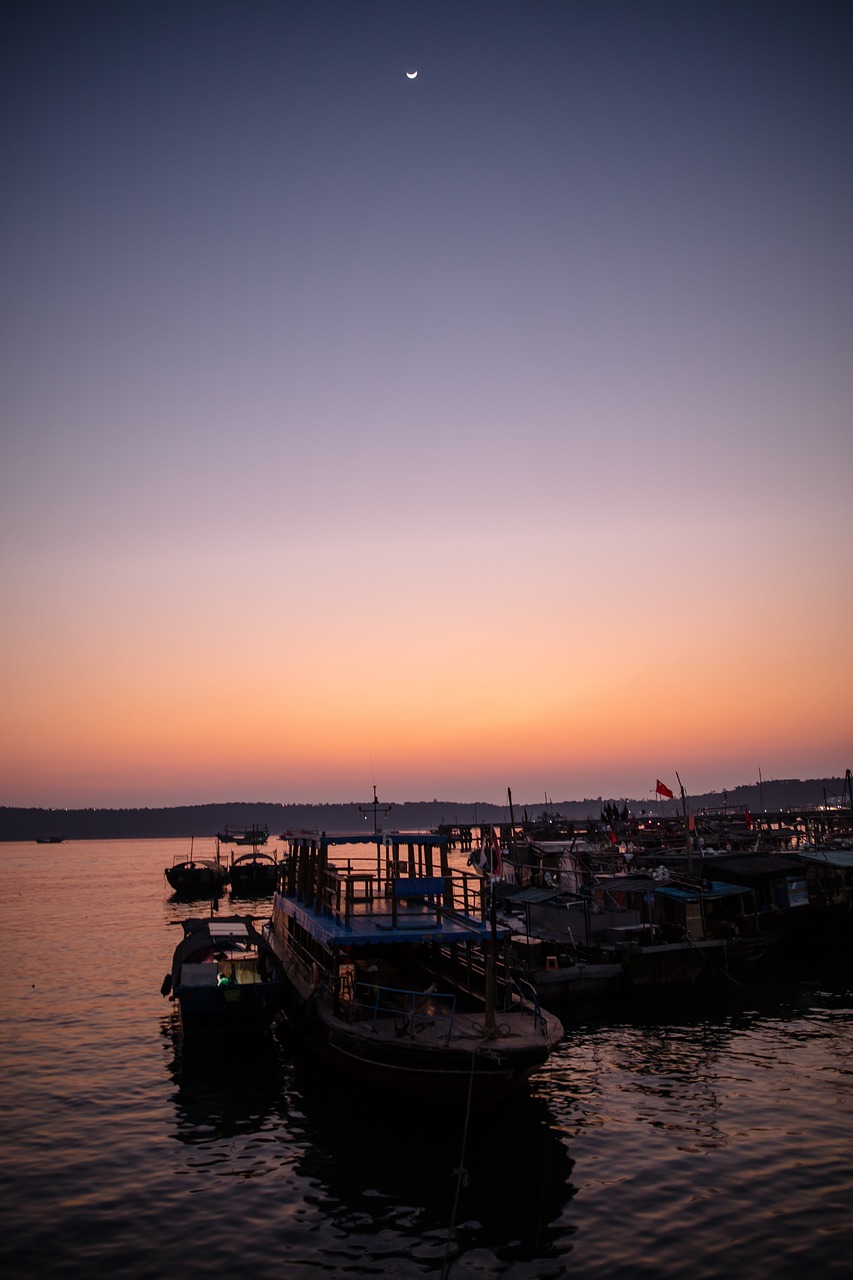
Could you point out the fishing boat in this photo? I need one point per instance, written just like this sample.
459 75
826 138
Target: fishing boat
253 835
197 877
225 978
581 935
253 875
397 971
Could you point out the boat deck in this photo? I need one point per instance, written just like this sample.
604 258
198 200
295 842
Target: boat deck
383 889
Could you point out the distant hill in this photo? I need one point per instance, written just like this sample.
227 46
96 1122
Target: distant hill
207 819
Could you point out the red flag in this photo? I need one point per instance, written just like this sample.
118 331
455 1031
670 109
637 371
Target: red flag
749 819
663 790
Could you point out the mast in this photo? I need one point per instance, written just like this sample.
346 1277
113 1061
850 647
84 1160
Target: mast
491 966
511 827
376 805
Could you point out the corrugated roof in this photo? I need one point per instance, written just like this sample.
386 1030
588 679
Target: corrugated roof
716 890
753 865
841 858
530 894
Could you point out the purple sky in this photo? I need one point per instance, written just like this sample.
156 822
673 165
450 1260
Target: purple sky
543 357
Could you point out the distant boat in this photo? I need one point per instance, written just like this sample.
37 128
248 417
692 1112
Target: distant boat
197 877
49 839
253 835
225 979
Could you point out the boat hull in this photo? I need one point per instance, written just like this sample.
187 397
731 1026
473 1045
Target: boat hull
253 879
228 1012
577 983
194 881
421 1060
225 979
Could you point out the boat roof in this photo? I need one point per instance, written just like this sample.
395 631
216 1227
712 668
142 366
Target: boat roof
220 929
629 884
202 931
415 924
841 858
218 926
547 848
683 892
716 890
754 865
531 894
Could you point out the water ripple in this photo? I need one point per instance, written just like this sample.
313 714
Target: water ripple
655 1146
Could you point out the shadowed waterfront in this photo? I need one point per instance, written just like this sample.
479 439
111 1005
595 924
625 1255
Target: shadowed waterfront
669 1141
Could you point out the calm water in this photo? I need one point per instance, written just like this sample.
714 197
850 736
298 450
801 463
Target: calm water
692 1143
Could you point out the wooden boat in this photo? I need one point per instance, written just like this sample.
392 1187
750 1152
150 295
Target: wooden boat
659 932
778 885
225 978
49 839
253 875
395 972
562 979
197 877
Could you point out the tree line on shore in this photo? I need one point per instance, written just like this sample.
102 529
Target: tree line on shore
206 820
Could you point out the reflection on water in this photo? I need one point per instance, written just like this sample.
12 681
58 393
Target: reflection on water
500 1184
368 1165
667 1141
222 1093
720 1127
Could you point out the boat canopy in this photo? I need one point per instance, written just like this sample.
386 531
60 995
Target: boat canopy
414 926
842 859
221 929
199 934
716 890
533 894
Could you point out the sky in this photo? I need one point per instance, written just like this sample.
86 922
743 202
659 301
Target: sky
487 429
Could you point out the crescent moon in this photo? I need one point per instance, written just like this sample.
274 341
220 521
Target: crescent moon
411 75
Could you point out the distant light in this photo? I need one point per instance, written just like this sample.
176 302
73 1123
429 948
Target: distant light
411 74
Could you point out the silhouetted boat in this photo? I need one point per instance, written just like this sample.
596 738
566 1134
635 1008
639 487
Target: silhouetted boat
49 839
575 928
253 835
225 978
253 874
197 877
392 968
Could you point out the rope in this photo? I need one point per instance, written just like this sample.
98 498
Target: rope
462 1178
540 1220
724 971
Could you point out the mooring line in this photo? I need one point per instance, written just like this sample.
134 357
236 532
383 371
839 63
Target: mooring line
461 1173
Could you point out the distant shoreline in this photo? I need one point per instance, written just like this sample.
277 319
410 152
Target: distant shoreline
185 821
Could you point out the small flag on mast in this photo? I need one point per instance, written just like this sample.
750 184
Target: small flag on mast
663 790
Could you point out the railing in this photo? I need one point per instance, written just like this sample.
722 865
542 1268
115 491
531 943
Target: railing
409 1009
529 995
375 881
